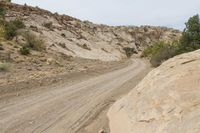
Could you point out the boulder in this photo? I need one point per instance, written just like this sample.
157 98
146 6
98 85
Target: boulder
166 101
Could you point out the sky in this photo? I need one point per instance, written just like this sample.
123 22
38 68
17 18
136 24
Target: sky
169 13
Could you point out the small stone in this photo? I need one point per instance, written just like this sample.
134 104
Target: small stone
29 69
102 131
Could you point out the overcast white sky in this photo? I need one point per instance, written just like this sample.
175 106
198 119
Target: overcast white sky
170 13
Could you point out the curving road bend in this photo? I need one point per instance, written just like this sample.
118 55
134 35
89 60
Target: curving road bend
64 109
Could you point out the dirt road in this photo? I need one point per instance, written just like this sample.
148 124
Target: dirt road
64 109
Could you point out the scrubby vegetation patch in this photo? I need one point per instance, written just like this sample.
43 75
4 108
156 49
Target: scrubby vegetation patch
190 41
4 67
129 51
34 42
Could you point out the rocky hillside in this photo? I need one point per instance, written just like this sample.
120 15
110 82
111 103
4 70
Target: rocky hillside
166 101
70 45
72 37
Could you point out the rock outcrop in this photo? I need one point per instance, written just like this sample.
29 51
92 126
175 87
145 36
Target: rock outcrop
166 101
84 39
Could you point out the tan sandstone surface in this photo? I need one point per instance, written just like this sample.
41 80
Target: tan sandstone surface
166 101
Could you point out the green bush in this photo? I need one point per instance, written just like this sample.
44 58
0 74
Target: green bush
24 50
12 27
2 12
161 51
129 51
189 41
18 23
4 67
34 42
153 49
10 31
164 53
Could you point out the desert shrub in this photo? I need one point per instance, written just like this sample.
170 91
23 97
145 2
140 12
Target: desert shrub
164 53
48 25
2 12
10 31
2 30
34 42
161 51
18 23
24 50
153 49
129 51
12 27
4 67
2 21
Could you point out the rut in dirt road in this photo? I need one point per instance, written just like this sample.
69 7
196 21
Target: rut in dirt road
64 109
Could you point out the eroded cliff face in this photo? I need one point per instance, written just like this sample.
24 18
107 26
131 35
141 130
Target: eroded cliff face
166 101
70 36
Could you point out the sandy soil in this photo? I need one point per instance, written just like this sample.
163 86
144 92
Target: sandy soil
70 107
100 121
